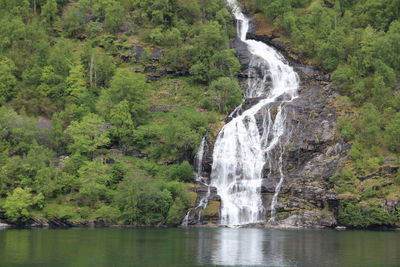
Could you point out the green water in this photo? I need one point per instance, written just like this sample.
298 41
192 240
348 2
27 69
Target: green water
198 247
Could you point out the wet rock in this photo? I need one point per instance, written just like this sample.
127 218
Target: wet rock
328 4
199 215
137 51
44 123
110 161
4 225
153 78
115 152
389 169
157 53
311 219
150 68
392 205
135 153
268 186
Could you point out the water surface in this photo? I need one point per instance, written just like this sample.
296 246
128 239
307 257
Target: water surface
198 247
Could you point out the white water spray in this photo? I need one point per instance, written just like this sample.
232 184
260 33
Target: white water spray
199 159
199 178
242 150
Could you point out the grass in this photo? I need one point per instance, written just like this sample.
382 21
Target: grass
212 209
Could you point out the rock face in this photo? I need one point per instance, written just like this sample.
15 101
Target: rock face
312 155
4 225
208 214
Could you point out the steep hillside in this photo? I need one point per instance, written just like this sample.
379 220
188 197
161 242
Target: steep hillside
357 44
103 104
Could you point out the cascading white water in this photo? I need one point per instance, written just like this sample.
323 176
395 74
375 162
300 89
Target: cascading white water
242 150
199 159
198 178
203 203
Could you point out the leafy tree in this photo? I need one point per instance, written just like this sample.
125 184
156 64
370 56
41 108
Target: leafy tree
132 87
188 10
127 85
61 57
7 80
51 83
17 131
88 135
180 140
94 177
36 163
103 70
157 36
209 40
141 201
49 11
182 135
159 12
184 172
331 52
58 139
353 215
176 212
122 124
73 22
393 133
118 172
346 128
276 8
172 38
113 16
370 124
341 77
76 84
224 64
226 93
18 204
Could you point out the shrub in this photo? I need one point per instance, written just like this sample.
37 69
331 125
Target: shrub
19 203
346 128
176 212
106 213
226 93
141 201
393 133
184 172
353 215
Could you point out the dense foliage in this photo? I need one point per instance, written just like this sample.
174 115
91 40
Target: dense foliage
358 41
84 135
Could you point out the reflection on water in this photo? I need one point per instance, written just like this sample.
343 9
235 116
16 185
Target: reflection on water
236 247
241 247
197 247
260 247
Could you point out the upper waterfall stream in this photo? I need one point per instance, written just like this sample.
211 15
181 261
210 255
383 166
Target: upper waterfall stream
243 151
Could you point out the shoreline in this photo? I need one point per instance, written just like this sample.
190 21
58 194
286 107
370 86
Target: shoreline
94 225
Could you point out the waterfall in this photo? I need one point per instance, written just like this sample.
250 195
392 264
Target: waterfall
199 159
185 221
199 178
242 150
203 203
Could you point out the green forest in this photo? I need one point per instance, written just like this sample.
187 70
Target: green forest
103 103
84 135
358 42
